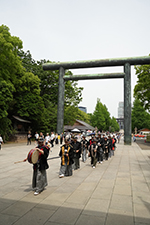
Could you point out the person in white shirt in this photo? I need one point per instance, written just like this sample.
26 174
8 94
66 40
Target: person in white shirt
47 138
36 137
1 141
52 138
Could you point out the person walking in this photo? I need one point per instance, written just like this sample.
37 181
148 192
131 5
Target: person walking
36 137
39 180
106 147
84 145
47 138
61 138
94 153
52 139
29 138
76 153
100 151
66 154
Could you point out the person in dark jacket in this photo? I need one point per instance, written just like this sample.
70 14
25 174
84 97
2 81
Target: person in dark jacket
84 145
39 181
94 153
106 147
89 148
110 146
76 153
66 154
100 152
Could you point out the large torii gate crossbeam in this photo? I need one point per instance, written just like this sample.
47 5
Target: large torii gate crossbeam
125 62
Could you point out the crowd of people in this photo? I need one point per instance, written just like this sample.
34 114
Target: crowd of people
99 148
49 139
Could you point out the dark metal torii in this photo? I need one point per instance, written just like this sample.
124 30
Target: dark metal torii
125 62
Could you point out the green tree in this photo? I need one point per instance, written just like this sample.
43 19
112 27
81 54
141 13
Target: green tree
28 91
20 90
70 114
142 88
98 119
49 81
140 118
114 125
107 117
49 92
6 96
10 66
83 116
10 63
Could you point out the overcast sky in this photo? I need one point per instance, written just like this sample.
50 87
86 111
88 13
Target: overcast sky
72 30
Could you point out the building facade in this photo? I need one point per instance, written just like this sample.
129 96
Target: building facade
120 118
82 108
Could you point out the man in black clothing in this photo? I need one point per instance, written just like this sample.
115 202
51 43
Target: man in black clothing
94 153
100 151
110 146
76 153
84 145
106 147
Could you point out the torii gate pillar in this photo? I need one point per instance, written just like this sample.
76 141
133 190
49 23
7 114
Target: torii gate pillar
127 104
60 107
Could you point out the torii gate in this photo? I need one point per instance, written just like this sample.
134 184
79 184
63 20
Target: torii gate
125 62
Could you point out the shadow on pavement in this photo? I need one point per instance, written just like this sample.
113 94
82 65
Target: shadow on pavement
26 212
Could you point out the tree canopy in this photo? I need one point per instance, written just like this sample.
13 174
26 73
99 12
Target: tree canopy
102 120
140 118
28 91
142 88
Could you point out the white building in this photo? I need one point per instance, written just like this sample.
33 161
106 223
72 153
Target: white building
121 110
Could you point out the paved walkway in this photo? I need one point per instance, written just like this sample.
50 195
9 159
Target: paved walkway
116 192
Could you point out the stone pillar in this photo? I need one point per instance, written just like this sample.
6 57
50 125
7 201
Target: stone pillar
60 107
127 104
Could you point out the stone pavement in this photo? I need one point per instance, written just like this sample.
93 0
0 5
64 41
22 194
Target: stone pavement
116 192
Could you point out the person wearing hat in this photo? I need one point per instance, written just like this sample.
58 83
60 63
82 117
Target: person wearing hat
76 153
66 154
39 181
84 145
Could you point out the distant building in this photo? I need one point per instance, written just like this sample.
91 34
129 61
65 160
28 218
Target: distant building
80 125
84 109
144 131
121 110
120 119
